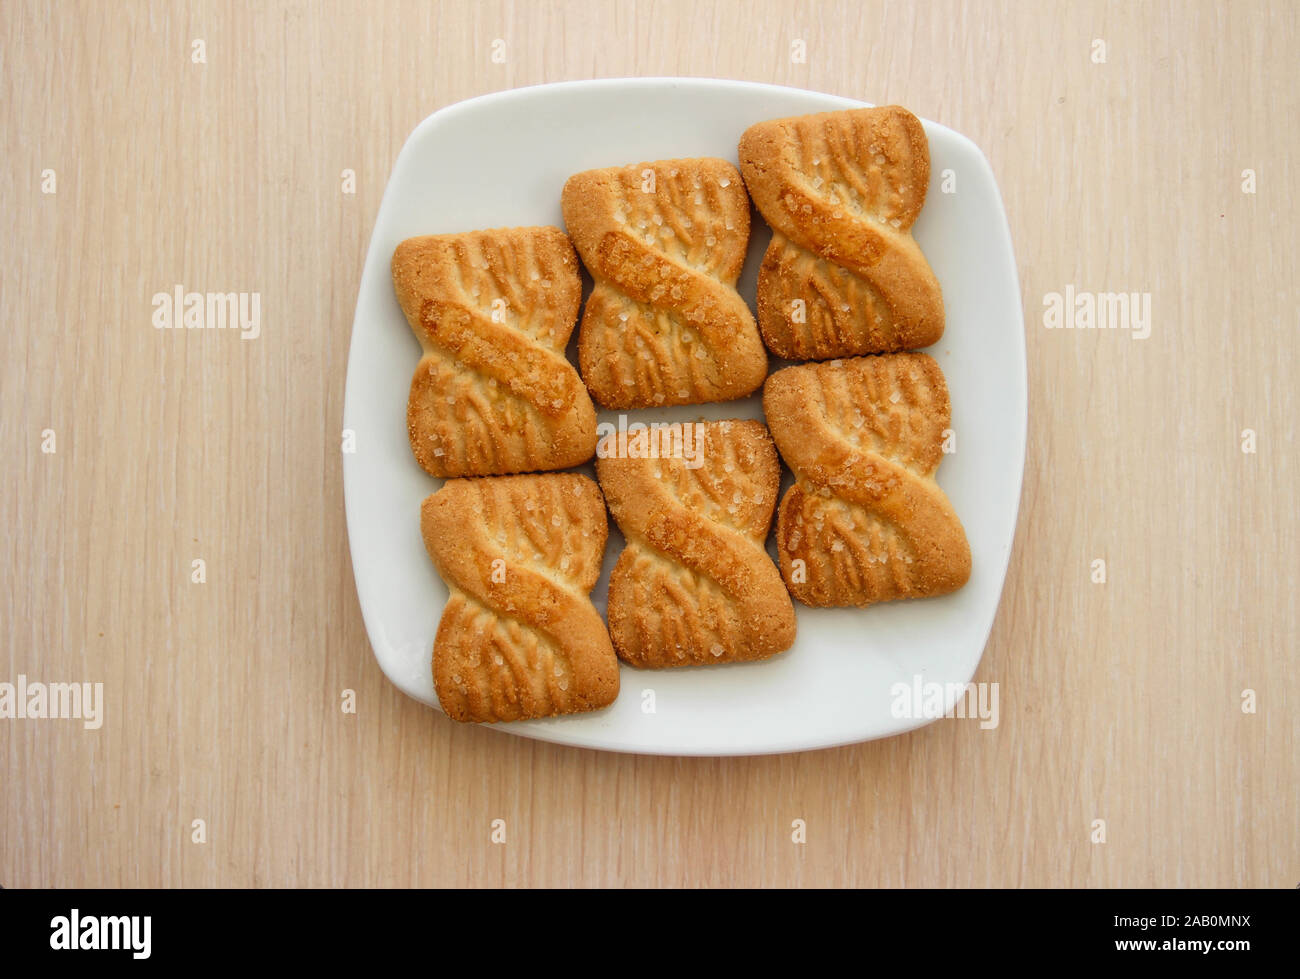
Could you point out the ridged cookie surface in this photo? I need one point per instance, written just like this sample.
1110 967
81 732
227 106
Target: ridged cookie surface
843 275
694 584
519 637
665 243
865 520
493 392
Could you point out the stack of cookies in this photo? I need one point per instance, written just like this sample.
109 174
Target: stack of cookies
495 407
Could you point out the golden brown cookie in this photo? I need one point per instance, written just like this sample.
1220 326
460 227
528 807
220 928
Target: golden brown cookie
493 392
865 520
843 275
695 584
665 243
519 636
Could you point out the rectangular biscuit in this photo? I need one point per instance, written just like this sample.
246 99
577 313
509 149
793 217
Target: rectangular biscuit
519 637
665 243
865 520
695 584
843 275
493 392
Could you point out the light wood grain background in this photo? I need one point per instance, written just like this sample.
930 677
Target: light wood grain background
1119 701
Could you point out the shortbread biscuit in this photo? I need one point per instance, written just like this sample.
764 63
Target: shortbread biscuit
865 520
493 392
694 584
519 637
665 243
843 275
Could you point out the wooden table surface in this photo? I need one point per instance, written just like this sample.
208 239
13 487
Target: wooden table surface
1120 135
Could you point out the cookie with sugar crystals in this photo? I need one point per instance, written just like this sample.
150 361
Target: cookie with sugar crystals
843 275
519 637
665 243
865 520
493 392
695 584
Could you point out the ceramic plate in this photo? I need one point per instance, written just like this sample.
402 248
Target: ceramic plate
501 160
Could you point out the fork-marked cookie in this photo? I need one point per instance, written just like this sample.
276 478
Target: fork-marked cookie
519 637
665 243
493 392
843 275
865 520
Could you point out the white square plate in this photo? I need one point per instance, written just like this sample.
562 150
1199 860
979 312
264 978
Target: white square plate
501 160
